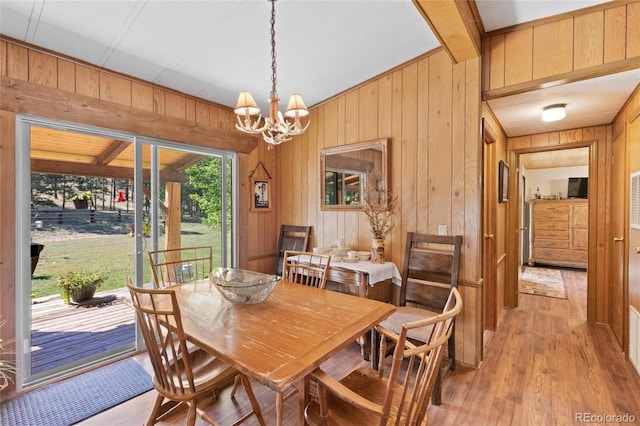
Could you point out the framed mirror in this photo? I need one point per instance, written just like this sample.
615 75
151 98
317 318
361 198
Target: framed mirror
351 174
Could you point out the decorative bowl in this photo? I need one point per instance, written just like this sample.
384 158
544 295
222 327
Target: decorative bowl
241 286
364 255
339 253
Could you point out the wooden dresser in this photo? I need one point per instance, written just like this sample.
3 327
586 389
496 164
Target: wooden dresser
559 232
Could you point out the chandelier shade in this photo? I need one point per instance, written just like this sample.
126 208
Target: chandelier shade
246 105
296 107
275 129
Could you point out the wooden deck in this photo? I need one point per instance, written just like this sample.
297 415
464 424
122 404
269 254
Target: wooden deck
65 333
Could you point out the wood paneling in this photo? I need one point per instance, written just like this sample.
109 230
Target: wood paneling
614 34
552 48
66 76
588 46
633 30
115 89
88 82
519 50
43 69
597 40
429 110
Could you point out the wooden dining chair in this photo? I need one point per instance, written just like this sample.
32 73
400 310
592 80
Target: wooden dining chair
291 238
306 268
182 373
370 396
175 266
430 271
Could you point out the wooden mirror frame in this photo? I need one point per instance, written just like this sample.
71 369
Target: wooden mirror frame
381 175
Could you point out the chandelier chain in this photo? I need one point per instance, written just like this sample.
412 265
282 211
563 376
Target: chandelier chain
274 77
277 127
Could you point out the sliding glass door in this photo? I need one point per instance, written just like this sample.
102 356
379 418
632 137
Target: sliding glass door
92 202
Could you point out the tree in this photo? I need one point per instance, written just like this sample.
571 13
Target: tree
205 179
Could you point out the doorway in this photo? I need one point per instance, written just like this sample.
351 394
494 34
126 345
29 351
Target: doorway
554 220
124 180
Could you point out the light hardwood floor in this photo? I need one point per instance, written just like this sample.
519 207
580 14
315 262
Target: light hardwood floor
544 366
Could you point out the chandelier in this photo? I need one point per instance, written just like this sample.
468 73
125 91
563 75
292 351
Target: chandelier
276 128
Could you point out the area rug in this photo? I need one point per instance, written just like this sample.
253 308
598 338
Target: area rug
543 282
78 398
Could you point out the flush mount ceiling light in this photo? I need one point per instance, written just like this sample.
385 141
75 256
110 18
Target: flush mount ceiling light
554 112
276 129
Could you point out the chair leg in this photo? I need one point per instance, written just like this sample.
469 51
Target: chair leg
436 397
191 414
451 349
155 413
236 384
252 398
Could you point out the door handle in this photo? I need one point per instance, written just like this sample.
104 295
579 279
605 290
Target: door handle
488 236
524 229
618 239
637 250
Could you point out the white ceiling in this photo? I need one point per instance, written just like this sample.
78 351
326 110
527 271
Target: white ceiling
215 49
588 103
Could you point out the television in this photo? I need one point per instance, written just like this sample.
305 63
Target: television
578 187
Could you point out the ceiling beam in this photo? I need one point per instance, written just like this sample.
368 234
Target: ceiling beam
114 149
19 96
186 161
84 169
453 22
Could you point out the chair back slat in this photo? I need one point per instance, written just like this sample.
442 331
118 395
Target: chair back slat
293 238
176 266
160 321
306 268
431 267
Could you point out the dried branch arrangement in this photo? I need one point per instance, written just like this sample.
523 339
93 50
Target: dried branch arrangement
379 215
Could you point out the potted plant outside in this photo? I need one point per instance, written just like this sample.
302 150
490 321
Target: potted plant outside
79 286
81 201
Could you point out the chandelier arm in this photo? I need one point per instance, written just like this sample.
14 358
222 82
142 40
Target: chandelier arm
247 126
300 131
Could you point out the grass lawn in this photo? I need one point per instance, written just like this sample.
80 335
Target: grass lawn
112 254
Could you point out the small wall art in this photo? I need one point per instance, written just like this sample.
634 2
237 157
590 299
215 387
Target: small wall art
503 182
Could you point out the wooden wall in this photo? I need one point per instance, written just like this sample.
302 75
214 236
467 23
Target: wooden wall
601 39
49 85
429 109
598 139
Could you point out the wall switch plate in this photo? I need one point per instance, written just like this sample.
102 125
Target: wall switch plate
442 229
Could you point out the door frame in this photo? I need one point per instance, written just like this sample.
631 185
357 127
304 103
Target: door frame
24 122
514 241
489 223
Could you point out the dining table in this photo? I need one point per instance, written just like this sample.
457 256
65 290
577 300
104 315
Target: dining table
279 341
